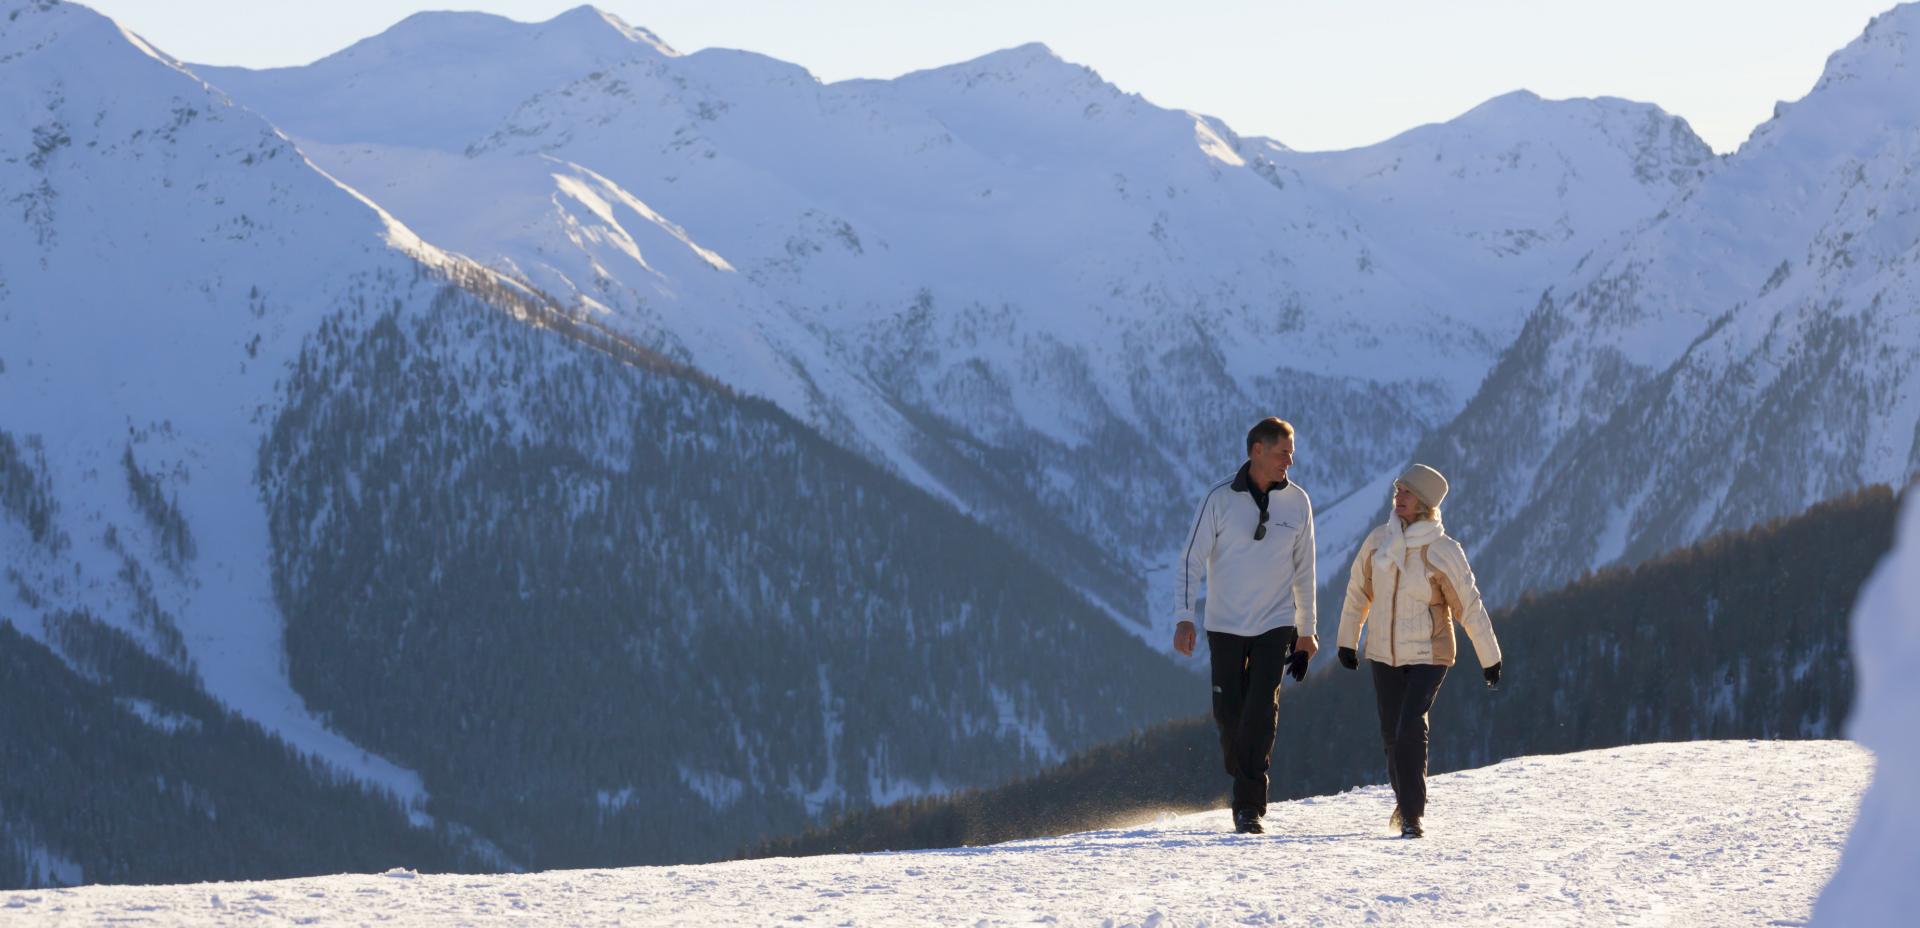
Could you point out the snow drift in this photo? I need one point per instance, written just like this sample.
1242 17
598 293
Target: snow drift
1875 884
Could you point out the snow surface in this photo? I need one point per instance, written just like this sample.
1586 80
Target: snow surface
1705 833
1875 884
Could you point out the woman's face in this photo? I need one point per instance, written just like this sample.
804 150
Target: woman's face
1406 506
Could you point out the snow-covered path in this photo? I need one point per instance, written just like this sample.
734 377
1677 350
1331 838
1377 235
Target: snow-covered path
1708 833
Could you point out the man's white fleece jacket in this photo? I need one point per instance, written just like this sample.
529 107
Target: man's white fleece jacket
1252 586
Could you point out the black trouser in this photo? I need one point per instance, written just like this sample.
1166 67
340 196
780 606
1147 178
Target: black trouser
1405 695
1246 690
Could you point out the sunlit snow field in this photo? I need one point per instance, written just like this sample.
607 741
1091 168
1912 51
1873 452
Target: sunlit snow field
1705 833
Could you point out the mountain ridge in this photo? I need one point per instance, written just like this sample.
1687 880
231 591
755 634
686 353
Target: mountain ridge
1766 302
1133 249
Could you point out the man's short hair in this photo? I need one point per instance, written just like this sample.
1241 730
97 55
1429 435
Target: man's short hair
1267 431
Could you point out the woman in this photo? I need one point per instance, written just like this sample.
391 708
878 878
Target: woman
1423 578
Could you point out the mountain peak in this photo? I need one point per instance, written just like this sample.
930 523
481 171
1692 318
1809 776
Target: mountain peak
1027 57
590 19
1882 48
1662 144
1514 98
582 31
1026 52
1031 66
1867 80
1008 61
1525 104
477 67
84 34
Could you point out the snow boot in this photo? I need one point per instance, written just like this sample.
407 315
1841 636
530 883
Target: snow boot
1247 822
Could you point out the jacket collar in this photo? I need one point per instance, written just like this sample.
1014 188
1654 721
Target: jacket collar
1242 483
1401 539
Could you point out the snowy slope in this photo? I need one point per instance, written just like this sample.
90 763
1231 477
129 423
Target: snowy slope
1001 277
1506 198
1875 885
1708 833
174 250
1751 351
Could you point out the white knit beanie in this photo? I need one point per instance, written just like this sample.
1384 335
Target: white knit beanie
1426 483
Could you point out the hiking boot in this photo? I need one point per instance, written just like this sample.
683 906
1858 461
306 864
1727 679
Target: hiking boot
1247 822
1410 828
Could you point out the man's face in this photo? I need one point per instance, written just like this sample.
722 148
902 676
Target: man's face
1272 461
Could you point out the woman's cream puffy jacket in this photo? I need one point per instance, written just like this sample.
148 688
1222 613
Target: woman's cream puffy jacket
1414 586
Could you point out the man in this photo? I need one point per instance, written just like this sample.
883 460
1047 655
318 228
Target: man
1253 537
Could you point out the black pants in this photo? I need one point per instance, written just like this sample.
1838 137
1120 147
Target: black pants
1404 696
1246 690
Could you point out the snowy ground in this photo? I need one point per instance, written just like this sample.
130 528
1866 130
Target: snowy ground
1875 884
1708 833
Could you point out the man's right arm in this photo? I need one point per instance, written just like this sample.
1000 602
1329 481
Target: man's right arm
1189 571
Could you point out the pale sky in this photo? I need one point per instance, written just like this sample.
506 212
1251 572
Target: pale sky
1313 74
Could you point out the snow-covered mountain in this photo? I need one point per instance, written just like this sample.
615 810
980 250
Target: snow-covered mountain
457 520
1705 833
1508 197
556 593
1752 350
166 254
1006 280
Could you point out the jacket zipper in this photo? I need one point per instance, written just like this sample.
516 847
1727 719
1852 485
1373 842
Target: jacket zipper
1393 620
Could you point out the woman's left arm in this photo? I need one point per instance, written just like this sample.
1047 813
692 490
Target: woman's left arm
1463 595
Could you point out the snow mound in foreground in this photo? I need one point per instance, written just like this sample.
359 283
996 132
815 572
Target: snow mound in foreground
1875 884
1706 833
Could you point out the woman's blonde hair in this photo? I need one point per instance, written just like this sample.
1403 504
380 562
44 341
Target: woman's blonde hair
1421 509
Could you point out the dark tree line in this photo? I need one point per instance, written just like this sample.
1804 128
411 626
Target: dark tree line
161 511
212 797
26 489
1741 636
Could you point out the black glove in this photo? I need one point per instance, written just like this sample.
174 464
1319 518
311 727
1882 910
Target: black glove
1349 659
1492 674
1297 665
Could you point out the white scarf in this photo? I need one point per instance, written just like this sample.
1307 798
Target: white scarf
1401 539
